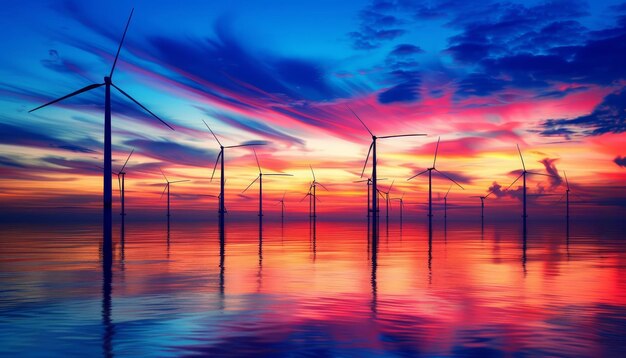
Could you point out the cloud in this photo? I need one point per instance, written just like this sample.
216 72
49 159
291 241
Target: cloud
406 50
620 161
14 135
172 152
550 165
377 25
608 117
228 63
406 91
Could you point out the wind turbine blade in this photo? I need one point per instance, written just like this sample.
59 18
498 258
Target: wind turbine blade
248 187
367 159
141 105
307 194
520 156
561 198
566 182
436 150
214 136
257 160
121 43
84 89
164 175
244 145
357 117
390 186
164 190
448 192
452 180
515 181
322 185
312 172
215 166
283 199
418 174
126 162
179 181
381 193
402 135
318 199
489 193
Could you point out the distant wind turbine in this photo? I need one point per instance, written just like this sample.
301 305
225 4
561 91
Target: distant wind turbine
445 203
260 179
386 196
167 187
372 149
107 198
482 205
312 194
523 175
222 202
401 200
369 183
282 206
120 182
430 180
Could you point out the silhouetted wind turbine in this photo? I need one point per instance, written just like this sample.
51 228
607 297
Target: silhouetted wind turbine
430 180
372 149
312 194
386 195
401 200
120 182
260 179
523 175
167 187
222 203
482 205
445 203
107 198
369 183
282 206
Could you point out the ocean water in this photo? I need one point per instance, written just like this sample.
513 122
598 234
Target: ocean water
329 289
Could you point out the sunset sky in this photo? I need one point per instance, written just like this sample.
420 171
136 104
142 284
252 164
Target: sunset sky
549 76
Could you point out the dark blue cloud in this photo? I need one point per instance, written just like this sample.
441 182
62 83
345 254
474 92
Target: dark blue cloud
608 117
14 135
478 84
171 152
377 25
406 91
620 161
6 161
228 63
406 50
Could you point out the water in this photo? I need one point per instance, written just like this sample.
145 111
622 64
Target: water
470 292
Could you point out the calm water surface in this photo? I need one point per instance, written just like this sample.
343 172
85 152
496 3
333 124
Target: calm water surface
322 292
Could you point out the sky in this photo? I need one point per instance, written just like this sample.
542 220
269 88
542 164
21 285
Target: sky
548 76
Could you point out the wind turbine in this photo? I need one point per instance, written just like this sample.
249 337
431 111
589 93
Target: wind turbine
222 205
282 206
566 197
372 149
312 194
386 195
167 187
523 175
482 205
107 197
401 200
260 179
430 180
120 182
369 183
445 203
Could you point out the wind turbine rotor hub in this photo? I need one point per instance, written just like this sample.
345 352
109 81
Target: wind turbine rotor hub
107 80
